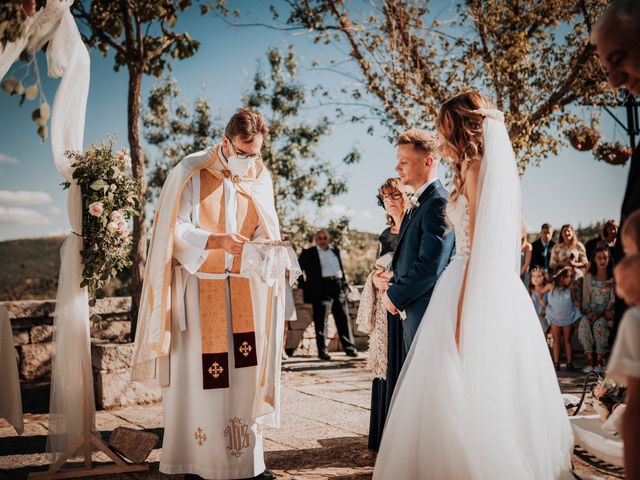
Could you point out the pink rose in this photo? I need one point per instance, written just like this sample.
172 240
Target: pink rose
117 217
96 209
112 187
123 157
123 228
600 391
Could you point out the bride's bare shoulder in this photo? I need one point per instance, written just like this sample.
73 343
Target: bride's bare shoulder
471 181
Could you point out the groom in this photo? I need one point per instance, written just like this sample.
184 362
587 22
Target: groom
424 244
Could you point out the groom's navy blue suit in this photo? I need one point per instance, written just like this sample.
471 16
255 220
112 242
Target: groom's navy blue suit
424 248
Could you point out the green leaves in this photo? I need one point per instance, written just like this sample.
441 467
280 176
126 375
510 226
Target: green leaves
99 184
301 177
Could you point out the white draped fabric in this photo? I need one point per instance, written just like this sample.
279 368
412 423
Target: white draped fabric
10 400
67 58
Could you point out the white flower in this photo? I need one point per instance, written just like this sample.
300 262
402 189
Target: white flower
123 228
112 187
96 209
112 227
491 113
413 200
117 217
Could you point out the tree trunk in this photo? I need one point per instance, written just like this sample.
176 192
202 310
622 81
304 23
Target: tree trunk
139 247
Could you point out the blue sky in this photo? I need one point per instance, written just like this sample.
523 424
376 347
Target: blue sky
569 188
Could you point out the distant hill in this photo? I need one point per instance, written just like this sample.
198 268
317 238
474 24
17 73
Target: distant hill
30 267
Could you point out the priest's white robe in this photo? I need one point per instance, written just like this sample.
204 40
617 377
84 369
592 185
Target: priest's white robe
210 433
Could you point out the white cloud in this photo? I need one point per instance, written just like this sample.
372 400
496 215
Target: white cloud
54 211
338 210
4 158
22 216
23 197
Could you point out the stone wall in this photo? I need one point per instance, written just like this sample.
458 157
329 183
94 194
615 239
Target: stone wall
301 337
32 324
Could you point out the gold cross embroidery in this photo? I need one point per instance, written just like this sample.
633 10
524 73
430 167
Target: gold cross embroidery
245 348
200 436
215 370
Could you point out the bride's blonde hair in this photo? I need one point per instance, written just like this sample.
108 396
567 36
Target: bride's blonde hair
460 129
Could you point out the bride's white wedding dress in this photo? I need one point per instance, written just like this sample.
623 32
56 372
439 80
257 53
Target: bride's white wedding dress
493 409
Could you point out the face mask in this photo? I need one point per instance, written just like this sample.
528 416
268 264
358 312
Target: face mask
240 166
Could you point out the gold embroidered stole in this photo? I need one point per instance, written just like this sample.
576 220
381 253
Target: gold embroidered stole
213 296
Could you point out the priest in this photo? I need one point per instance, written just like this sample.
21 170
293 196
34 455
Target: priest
208 335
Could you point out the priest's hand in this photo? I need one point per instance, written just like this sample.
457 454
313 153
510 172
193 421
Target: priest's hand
231 243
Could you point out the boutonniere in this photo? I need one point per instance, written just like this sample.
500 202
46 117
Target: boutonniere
414 201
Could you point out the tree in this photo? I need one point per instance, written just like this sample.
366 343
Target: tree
299 173
142 35
175 131
532 58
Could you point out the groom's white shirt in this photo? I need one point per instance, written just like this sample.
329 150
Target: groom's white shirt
424 186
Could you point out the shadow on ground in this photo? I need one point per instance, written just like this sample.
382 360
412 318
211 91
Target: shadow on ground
334 453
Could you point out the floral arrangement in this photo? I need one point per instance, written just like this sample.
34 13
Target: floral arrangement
613 153
607 395
583 137
110 196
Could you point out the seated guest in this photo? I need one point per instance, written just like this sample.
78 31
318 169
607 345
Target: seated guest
525 256
385 337
597 309
324 286
541 248
569 252
607 238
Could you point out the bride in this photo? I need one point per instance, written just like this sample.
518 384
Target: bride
478 396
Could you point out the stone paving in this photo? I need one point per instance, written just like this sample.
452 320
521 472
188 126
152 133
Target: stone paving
325 408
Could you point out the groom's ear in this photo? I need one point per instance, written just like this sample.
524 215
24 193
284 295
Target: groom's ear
428 160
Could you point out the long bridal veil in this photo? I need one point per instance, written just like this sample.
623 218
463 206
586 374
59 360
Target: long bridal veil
515 422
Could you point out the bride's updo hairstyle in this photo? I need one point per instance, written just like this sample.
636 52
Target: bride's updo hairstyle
460 129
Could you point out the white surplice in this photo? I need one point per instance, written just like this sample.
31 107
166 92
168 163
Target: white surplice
198 422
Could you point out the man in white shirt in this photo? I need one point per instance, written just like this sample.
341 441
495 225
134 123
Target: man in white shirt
325 287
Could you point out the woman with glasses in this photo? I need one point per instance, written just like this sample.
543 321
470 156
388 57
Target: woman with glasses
385 337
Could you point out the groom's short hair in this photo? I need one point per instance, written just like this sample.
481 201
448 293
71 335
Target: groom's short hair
422 140
246 124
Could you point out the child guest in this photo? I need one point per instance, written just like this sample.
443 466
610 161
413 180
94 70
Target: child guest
540 287
562 313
